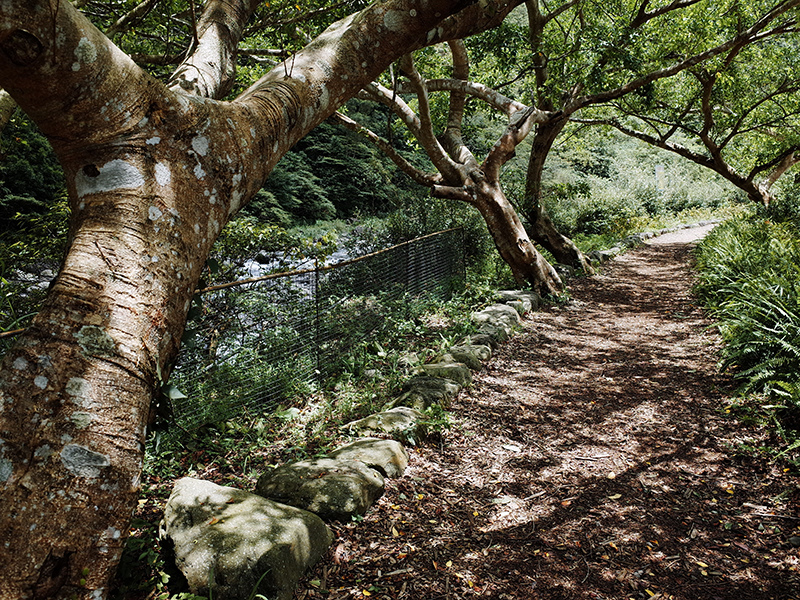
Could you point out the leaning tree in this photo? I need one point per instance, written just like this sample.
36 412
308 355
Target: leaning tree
738 115
153 171
585 53
459 175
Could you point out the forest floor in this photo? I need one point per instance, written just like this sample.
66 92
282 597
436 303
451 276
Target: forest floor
595 456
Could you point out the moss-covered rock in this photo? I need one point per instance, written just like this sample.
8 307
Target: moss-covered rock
335 489
232 542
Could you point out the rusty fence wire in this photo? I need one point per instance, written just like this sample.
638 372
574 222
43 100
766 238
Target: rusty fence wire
260 341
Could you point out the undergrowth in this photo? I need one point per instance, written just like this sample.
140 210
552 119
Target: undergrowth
236 452
749 279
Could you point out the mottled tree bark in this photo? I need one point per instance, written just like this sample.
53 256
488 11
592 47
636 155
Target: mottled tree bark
153 174
543 230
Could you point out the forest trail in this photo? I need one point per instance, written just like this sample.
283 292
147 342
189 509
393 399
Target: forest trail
593 458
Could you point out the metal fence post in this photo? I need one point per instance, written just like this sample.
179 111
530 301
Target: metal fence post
317 322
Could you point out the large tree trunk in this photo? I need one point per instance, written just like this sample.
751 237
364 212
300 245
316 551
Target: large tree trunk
542 228
528 266
153 174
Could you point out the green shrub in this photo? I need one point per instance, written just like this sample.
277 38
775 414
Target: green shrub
749 277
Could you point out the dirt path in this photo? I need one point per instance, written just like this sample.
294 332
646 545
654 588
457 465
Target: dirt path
592 458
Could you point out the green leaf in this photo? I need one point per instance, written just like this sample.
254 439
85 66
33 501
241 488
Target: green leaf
173 393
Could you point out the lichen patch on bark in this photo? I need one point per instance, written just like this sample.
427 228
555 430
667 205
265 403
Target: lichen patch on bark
95 341
115 175
82 462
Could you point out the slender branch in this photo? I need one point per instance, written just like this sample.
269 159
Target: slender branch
779 165
715 162
426 136
643 16
746 36
128 20
422 178
736 129
452 139
493 98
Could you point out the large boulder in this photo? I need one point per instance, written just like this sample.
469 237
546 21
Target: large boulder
229 543
389 457
422 391
335 489
402 423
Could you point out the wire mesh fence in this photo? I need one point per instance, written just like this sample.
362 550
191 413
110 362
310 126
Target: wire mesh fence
262 340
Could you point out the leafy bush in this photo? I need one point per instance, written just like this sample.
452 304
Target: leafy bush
31 180
750 279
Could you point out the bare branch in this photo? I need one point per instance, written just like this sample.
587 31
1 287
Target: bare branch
125 22
422 178
519 126
425 134
643 16
493 98
210 70
779 165
451 139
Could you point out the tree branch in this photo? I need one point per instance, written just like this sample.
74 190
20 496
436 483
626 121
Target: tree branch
210 70
422 178
451 139
478 90
746 36
125 22
643 16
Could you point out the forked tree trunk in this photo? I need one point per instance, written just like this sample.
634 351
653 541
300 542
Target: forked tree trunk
153 174
543 230
529 267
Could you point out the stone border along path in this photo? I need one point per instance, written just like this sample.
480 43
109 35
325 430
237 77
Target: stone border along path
233 543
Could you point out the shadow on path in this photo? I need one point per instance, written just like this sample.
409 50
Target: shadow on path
592 458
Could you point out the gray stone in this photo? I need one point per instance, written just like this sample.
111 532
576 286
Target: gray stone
483 352
422 391
530 300
332 488
517 305
402 423
234 538
499 333
386 456
447 369
497 314
480 339
472 356
603 256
